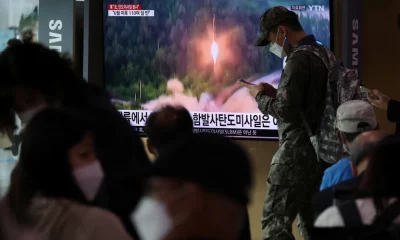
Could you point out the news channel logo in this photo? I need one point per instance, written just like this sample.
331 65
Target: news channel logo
311 8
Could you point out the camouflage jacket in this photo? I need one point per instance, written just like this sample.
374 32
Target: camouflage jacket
302 87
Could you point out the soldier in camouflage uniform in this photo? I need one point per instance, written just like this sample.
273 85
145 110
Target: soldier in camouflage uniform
295 172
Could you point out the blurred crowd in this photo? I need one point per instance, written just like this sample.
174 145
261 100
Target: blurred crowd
83 172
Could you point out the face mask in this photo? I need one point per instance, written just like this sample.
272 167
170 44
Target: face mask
276 49
89 179
27 115
151 219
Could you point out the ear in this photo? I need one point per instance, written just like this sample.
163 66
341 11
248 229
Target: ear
354 169
339 136
150 147
282 30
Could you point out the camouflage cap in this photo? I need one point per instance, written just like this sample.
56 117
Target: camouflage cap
272 18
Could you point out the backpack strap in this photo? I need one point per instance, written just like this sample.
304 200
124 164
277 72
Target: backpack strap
305 123
350 214
320 52
389 214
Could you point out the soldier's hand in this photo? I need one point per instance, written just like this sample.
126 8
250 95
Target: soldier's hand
253 89
269 90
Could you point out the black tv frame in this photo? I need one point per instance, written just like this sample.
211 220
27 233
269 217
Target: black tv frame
93 48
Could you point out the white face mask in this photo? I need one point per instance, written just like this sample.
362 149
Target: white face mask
151 219
276 49
27 115
89 179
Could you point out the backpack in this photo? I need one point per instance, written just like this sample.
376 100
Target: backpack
343 85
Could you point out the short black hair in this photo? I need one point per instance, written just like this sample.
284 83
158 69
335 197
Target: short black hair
168 124
291 23
13 42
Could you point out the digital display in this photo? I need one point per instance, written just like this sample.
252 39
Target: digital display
192 53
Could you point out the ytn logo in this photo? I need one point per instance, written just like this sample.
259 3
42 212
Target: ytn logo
316 8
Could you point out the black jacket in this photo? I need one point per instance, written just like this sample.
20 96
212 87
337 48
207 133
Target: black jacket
324 199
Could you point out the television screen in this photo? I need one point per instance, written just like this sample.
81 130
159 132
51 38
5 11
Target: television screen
191 53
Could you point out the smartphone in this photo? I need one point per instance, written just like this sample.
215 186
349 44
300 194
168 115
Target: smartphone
364 89
368 92
245 82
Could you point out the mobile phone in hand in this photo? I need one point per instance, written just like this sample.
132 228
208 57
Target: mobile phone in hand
364 89
245 82
368 92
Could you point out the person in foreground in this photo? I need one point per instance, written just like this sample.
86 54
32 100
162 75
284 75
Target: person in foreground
295 172
57 175
171 123
34 78
197 190
380 182
361 148
352 118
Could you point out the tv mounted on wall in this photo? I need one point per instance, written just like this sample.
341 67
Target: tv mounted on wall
191 53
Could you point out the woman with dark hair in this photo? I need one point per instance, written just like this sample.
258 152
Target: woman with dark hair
34 77
379 191
56 176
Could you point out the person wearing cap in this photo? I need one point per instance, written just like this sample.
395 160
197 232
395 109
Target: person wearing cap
361 148
376 203
352 119
197 190
295 172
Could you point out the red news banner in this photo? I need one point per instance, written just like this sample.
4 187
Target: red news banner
128 10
